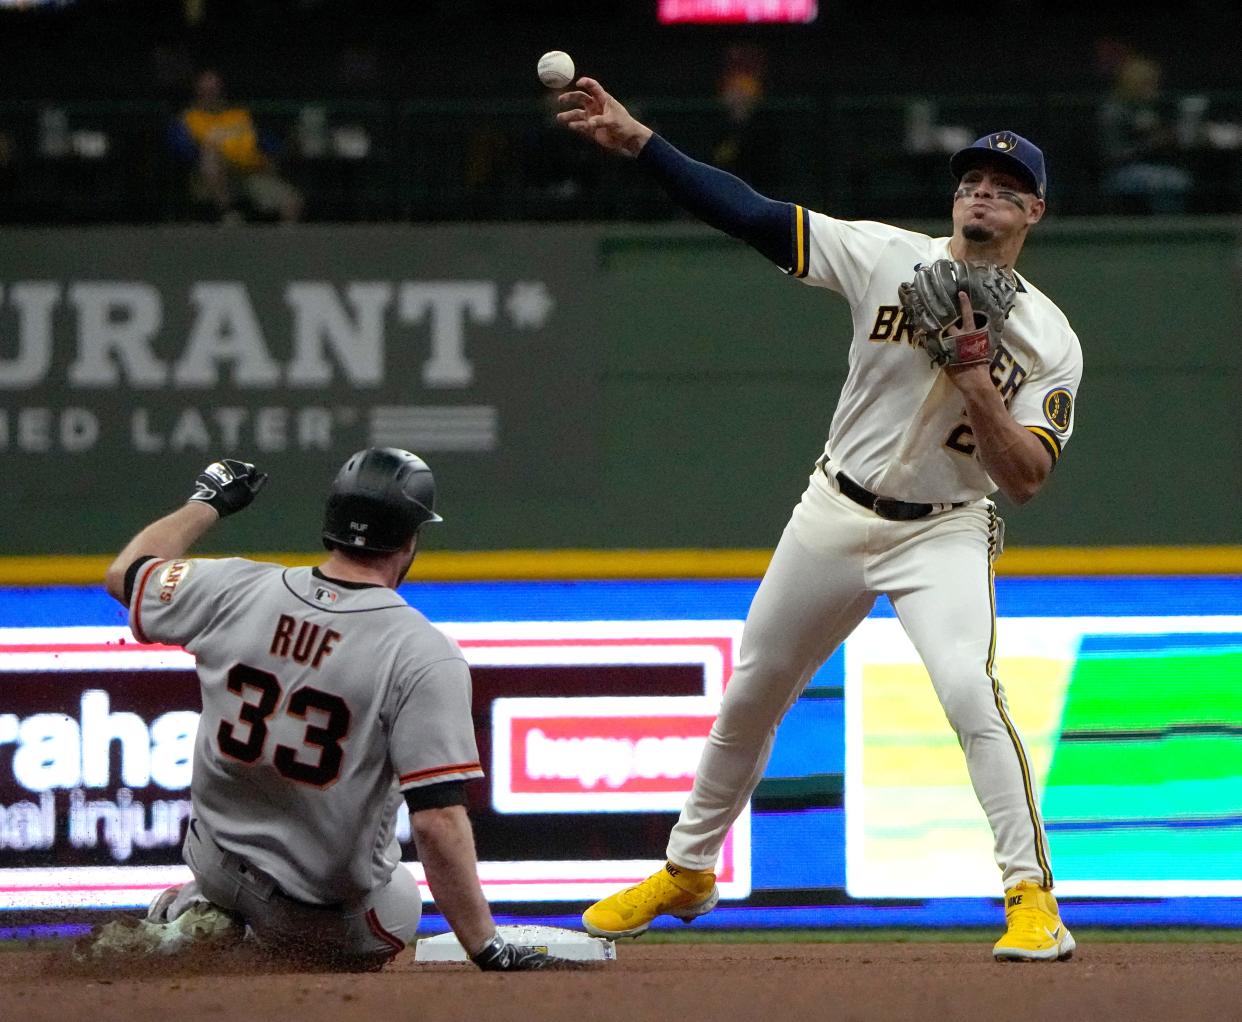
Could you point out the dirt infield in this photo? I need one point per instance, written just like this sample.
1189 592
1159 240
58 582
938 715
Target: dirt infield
733 982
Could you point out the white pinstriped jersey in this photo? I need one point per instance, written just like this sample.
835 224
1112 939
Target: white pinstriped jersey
321 703
900 427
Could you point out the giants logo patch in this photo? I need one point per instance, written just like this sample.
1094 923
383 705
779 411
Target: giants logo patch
171 577
1058 408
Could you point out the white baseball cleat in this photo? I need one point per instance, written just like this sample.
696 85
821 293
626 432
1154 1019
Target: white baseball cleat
199 925
173 901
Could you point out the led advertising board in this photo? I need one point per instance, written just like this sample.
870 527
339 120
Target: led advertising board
592 701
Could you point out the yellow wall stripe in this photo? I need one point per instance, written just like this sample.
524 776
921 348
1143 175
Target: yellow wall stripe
560 564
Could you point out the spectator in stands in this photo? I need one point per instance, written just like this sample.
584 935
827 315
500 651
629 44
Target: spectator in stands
743 141
234 173
1143 162
8 174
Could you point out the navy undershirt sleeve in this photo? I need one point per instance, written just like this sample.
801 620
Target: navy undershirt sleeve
723 201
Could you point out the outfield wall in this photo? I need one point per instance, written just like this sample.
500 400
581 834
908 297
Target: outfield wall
575 387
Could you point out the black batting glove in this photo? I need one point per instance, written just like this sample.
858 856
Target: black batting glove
228 485
498 955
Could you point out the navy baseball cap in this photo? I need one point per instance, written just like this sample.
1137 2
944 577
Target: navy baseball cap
1011 151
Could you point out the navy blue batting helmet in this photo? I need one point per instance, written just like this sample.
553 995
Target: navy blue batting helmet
379 499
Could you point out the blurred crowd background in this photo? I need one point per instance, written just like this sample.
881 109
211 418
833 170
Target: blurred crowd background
233 111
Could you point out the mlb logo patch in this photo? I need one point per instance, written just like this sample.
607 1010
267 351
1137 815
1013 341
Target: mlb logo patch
326 596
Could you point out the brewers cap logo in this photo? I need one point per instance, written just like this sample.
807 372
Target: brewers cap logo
1058 408
1003 140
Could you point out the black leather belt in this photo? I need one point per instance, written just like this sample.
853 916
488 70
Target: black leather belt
886 507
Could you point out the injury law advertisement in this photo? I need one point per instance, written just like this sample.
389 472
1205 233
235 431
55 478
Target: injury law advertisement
1133 730
593 701
590 733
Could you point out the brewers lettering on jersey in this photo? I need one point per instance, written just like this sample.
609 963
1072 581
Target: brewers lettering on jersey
327 699
898 503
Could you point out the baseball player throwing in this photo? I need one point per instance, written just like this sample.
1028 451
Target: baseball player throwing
962 380
326 700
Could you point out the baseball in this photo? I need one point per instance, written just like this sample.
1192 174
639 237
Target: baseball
556 69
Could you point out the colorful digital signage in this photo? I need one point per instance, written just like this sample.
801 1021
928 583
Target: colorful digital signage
592 704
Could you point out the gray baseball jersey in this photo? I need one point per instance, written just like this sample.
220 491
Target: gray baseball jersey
322 702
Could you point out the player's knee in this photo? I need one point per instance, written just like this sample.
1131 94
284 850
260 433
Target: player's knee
970 704
769 663
746 715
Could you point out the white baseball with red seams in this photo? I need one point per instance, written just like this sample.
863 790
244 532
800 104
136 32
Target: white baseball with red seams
556 69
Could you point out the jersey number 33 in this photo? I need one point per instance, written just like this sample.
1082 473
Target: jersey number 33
260 693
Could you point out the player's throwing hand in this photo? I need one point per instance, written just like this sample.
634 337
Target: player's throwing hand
965 327
595 114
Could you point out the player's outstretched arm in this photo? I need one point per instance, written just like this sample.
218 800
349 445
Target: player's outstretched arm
170 536
596 114
445 842
713 195
221 489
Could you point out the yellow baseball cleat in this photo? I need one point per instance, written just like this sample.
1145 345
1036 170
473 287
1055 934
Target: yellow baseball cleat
1034 931
682 893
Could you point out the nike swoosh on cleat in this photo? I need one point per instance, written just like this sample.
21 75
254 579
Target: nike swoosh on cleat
1054 934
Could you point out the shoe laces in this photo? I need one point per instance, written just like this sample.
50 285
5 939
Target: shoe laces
652 889
1032 921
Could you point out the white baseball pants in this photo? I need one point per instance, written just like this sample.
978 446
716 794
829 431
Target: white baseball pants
832 561
372 928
